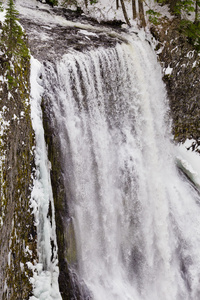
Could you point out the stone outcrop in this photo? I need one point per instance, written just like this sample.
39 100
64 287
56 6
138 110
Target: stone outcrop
181 74
17 230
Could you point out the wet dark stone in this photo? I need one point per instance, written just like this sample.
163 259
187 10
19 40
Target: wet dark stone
48 41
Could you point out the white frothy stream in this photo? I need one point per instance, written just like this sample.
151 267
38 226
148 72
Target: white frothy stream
136 220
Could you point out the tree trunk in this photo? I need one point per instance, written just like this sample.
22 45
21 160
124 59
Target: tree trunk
125 13
197 3
86 3
117 4
141 13
172 5
134 10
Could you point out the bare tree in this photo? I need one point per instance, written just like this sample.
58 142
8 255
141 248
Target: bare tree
173 4
134 10
141 13
125 13
117 4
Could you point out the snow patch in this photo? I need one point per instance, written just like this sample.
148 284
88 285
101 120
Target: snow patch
168 71
2 15
189 162
194 64
85 32
45 272
190 54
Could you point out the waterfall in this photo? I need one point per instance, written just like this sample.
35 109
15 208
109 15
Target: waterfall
136 218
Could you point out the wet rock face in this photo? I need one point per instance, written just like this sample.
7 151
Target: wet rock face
180 62
50 39
17 230
60 40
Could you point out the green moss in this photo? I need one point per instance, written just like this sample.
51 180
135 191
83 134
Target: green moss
17 231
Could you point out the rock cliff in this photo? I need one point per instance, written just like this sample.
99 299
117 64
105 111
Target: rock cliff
17 230
181 72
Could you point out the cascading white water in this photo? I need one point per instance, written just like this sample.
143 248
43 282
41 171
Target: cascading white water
136 220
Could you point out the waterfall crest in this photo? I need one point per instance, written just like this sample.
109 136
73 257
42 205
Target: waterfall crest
136 219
